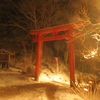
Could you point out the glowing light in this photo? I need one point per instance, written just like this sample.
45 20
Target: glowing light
57 78
44 78
96 36
91 54
85 89
67 83
53 78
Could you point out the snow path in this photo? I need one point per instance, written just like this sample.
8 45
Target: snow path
14 87
37 91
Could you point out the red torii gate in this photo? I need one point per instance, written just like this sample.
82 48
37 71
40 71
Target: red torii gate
55 36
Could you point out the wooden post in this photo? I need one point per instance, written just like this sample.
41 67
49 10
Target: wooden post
72 63
38 57
57 65
8 61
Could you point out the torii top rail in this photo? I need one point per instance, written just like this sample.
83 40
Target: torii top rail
69 35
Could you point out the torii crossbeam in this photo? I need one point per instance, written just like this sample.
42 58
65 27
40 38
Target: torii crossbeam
70 35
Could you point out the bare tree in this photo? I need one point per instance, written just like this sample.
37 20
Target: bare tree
33 14
24 15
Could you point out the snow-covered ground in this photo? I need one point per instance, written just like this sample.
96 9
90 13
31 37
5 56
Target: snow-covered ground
14 87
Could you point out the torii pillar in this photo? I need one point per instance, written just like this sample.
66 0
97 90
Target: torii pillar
55 36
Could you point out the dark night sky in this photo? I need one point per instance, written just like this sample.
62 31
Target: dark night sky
5 18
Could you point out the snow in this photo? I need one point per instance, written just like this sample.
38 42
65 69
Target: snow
14 87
